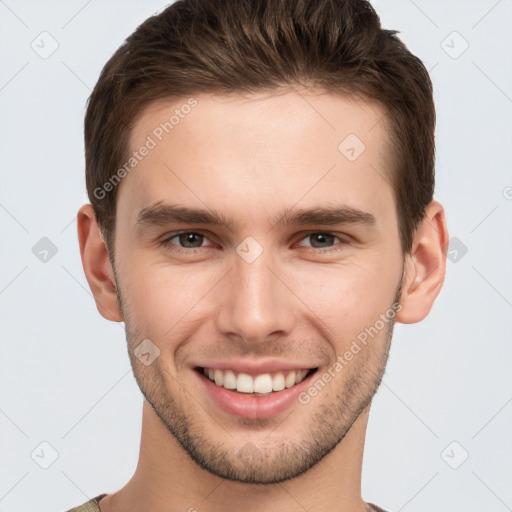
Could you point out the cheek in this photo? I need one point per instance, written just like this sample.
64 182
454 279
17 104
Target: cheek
165 298
348 299
169 301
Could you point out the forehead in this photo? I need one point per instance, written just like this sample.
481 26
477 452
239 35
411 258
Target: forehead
253 152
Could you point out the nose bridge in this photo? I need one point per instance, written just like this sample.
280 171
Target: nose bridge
256 303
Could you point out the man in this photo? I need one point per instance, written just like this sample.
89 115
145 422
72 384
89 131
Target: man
261 176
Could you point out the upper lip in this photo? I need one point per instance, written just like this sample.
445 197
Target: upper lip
255 367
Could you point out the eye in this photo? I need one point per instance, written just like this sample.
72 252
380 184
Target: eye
185 240
188 242
323 241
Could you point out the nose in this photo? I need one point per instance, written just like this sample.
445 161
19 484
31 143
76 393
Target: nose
256 302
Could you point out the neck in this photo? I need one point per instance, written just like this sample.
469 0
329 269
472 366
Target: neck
167 479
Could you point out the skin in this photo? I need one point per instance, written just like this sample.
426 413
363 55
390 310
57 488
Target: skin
249 158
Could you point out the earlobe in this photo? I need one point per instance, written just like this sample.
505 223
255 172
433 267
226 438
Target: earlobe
97 266
425 266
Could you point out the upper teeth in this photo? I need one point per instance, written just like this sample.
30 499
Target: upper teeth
264 383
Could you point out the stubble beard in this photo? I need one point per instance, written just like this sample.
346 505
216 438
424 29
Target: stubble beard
268 461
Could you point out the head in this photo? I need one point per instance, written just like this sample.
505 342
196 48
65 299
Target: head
261 176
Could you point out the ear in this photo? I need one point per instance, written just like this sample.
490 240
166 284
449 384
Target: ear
425 266
97 267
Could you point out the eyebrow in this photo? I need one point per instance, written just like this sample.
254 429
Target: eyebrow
161 214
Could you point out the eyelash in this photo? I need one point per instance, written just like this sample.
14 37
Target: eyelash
173 247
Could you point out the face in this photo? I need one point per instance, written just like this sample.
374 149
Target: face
257 244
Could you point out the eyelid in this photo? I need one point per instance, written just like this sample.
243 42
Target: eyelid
343 240
168 236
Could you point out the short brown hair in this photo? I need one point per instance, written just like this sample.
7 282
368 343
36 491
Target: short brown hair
245 46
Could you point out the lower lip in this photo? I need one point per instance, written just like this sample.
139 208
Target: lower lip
253 407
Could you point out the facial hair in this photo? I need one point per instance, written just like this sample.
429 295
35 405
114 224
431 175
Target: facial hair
267 461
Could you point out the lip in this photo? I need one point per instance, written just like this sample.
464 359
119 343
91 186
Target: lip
254 368
251 406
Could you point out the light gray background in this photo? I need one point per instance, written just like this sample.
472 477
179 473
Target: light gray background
65 375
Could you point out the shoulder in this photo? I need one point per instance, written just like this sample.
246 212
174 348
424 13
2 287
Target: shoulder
374 508
90 506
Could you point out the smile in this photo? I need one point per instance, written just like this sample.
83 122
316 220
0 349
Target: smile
262 384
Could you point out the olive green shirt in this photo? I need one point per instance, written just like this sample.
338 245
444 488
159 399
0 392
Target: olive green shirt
92 506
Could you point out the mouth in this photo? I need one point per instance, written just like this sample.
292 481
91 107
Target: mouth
262 384
255 395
